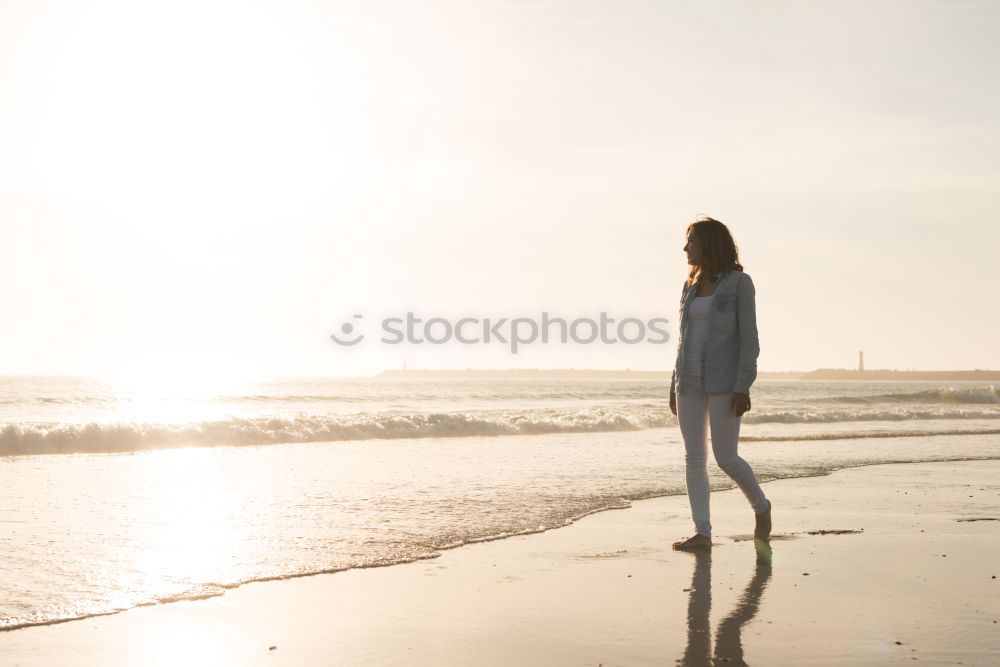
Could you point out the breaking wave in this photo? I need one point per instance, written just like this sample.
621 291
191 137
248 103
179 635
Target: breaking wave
61 438
40 438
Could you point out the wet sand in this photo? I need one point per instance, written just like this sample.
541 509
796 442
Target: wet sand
885 564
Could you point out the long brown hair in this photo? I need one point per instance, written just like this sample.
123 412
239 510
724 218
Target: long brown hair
718 250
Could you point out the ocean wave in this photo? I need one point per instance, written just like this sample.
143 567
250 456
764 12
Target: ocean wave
781 416
987 395
599 392
61 438
44 438
349 397
58 400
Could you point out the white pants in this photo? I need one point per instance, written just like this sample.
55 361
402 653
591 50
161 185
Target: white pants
695 410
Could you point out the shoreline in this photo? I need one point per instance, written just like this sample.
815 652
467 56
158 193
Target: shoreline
226 588
636 539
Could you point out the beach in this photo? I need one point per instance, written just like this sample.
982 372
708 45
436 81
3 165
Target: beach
877 564
360 333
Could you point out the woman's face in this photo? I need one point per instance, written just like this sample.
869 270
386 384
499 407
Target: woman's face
693 249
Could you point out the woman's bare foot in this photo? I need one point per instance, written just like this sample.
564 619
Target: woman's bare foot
697 542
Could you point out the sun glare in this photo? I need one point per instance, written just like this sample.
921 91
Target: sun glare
176 393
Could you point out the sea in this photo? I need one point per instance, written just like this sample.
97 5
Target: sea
115 495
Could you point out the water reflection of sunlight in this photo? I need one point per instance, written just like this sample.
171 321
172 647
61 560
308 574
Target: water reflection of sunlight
178 395
189 540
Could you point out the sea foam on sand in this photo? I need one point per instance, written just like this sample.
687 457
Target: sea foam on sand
880 564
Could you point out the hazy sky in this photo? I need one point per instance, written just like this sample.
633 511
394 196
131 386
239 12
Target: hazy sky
214 187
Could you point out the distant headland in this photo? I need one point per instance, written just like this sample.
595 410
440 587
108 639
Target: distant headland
628 374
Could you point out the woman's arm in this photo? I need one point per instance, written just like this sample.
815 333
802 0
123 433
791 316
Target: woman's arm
746 323
673 375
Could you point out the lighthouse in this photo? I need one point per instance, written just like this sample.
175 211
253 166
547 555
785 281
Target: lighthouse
861 361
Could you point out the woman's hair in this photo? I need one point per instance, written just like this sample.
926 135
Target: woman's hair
718 250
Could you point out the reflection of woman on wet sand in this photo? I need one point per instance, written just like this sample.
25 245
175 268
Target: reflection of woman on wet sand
729 635
716 364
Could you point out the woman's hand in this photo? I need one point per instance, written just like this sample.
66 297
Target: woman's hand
673 403
741 403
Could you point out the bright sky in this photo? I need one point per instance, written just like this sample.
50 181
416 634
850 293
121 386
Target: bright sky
215 187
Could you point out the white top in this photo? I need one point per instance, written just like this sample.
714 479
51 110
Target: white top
699 310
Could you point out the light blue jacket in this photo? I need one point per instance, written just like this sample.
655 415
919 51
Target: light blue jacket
729 363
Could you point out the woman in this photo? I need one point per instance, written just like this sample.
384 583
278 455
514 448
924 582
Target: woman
716 364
